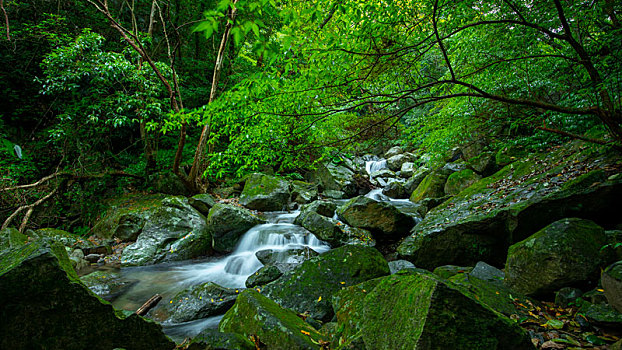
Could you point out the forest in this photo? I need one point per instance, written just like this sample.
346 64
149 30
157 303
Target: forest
274 174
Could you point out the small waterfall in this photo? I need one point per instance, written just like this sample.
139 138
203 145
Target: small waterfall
374 165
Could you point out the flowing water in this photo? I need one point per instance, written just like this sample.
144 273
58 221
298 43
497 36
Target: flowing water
278 234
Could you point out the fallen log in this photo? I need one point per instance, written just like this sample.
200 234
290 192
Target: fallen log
148 305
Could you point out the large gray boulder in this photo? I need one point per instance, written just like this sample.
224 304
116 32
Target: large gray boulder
174 231
393 151
432 186
226 223
395 163
385 221
562 254
44 305
265 193
200 301
309 287
482 221
336 177
421 311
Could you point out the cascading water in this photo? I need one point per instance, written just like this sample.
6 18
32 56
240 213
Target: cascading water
372 166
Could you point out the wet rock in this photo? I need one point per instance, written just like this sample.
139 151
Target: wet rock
334 194
11 238
175 231
107 284
611 280
168 183
290 256
276 327
309 287
507 155
488 273
395 163
265 193
126 216
63 237
227 223
482 221
212 339
460 180
384 220
202 202
432 186
398 265
393 151
411 184
39 288
407 170
200 301
422 312
93 258
395 190
303 192
601 314
263 276
564 253
451 168
336 177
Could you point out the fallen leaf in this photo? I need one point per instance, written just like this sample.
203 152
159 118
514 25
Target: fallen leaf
552 345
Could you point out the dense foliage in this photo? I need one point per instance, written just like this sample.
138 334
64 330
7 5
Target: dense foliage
97 88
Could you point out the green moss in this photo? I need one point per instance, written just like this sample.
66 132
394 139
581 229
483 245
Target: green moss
432 186
266 193
460 180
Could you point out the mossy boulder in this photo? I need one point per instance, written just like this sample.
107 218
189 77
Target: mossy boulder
460 180
399 265
202 202
174 231
263 276
507 155
482 221
336 177
65 238
603 315
276 327
309 287
11 238
611 280
212 339
44 305
448 271
303 192
432 186
564 253
126 216
265 193
317 218
421 311
385 221
107 284
484 163
413 182
226 223
395 163
200 301
395 190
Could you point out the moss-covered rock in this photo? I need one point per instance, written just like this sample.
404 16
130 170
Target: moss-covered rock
395 190
212 339
399 265
309 287
226 223
432 186
484 163
126 216
563 253
303 192
202 202
611 280
265 193
200 301
263 276
325 228
460 180
601 314
11 238
395 163
63 237
448 271
336 177
507 155
422 312
274 326
413 182
175 231
482 221
44 305
385 221
393 151
107 284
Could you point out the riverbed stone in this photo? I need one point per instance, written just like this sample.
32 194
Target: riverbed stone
398 265
413 182
384 220
323 227
482 221
107 284
309 287
200 301
265 193
202 202
407 170
303 192
423 312
336 177
395 190
39 288
278 328
448 271
126 215
175 231
393 151
395 163
63 237
263 276
611 280
562 254
226 223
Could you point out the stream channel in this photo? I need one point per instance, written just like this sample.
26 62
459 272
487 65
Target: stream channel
231 271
